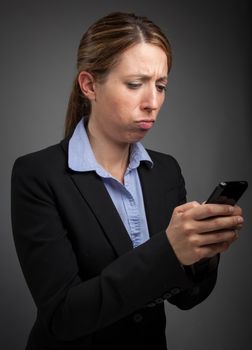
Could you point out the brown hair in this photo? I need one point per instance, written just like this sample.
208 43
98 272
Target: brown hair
99 50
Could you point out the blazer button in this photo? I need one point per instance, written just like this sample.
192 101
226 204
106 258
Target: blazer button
167 295
175 291
159 300
137 318
151 304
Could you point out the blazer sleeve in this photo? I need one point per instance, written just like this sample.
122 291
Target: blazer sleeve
203 273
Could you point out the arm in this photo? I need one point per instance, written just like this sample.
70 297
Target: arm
198 234
197 237
202 274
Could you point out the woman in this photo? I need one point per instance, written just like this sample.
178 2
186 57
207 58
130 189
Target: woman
101 226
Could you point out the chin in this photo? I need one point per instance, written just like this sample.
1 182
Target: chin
132 137
140 134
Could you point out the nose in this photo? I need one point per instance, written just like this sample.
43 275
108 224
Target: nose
150 101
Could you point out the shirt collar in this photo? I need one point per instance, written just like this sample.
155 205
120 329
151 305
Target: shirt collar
81 156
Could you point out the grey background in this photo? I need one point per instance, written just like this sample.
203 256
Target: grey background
205 124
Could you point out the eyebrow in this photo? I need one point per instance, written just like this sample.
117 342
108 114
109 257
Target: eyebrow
145 77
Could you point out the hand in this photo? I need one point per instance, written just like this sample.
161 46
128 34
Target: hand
198 231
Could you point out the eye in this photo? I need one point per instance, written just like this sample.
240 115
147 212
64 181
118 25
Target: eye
161 88
133 86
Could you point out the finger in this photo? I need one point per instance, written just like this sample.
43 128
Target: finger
211 250
219 223
210 210
187 206
237 210
237 233
238 227
217 237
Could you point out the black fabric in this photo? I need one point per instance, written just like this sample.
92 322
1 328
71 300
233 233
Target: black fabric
89 285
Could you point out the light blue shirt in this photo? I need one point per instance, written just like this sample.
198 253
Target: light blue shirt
127 197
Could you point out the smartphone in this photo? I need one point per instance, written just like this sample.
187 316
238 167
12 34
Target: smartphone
228 192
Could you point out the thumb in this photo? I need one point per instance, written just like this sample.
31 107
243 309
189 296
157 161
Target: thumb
189 205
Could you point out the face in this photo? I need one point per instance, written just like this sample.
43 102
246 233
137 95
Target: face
126 105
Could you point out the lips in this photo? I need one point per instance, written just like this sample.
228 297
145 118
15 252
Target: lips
145 124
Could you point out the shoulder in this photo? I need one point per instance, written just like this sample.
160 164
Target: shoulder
166 171
163 160
42 161
165 176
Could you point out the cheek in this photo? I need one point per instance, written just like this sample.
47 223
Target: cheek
161 101
123 105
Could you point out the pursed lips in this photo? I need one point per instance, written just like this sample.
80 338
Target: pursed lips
145 124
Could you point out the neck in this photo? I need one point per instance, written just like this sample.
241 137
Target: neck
113 157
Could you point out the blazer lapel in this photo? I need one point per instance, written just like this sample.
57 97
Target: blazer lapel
153 198
95 194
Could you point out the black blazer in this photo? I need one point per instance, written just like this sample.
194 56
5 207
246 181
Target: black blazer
91 288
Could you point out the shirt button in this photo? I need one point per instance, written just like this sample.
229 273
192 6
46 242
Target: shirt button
137 318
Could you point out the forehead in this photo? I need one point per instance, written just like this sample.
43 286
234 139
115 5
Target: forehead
142 58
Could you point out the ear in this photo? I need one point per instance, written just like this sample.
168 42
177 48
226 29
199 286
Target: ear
87 85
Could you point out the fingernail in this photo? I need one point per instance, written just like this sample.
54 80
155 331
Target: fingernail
240 220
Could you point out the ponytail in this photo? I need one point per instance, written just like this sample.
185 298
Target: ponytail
78 107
